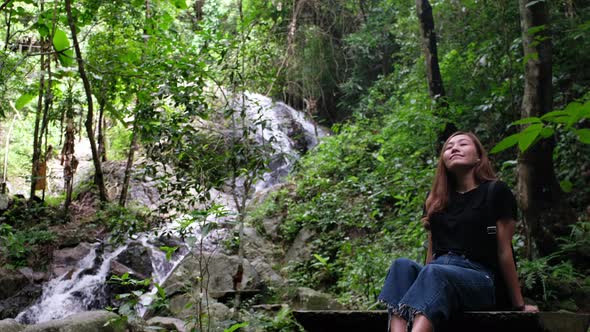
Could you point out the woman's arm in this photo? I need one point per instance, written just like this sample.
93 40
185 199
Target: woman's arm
505 230
429 251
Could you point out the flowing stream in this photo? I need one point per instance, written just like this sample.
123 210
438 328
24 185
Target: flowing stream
288 131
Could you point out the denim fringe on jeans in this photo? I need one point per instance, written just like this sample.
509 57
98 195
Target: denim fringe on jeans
448 284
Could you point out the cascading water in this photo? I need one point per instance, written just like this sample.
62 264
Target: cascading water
289 133
67 294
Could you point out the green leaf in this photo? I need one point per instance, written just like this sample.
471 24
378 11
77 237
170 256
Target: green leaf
547 132
23 100
505 143
566 186
66 58
583 135
180 4
43 30
529 120
528 136
236 326
556 117
60 40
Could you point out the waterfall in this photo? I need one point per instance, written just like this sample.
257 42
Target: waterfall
71 292
289 133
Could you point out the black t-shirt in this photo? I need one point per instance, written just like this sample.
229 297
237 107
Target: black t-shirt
462 226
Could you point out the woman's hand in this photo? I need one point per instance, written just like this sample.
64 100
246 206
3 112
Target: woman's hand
530 308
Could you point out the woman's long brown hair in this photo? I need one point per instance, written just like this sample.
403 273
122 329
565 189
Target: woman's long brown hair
443 183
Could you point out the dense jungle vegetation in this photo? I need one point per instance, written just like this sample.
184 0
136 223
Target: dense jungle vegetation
137 74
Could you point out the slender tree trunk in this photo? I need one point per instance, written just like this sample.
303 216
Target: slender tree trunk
428 36
6 150
44 130
436 88
539 193
36 136
130 157
102 149
98 176
8 17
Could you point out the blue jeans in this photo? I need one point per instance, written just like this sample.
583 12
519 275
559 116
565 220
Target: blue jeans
448 284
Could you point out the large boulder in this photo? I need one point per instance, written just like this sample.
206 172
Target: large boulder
184 306
88 321
216 270
309 299
167 323
137 259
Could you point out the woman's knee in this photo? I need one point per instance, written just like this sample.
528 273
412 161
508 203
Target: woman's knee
404 265
434 272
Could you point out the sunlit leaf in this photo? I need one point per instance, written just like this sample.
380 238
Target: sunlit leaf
505 143
60 40
527 121
23 100
528 136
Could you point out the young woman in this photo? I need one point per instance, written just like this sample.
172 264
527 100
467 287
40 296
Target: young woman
470 217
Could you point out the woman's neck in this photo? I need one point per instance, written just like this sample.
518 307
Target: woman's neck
465 182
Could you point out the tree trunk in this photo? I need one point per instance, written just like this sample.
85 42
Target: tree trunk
435 82
102 149
98 176
36 136
545 213
130 157
436 88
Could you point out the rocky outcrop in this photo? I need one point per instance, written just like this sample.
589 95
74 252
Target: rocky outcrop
301 249
89 321
216 270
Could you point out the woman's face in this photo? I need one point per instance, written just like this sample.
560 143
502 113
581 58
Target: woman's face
460 153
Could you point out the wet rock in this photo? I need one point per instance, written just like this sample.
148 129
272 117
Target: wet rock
137 258
25 297
65 260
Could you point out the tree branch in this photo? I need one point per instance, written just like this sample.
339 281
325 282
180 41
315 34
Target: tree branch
6 2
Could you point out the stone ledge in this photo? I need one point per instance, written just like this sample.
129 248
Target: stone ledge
481 321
